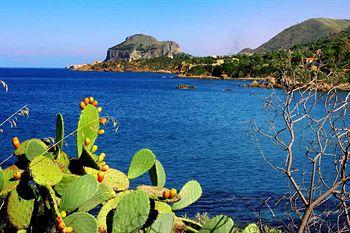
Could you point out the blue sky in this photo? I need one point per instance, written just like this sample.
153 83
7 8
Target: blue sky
39 33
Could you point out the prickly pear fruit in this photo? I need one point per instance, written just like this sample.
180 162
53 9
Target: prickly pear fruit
91 100
99 109
103 120
166 194
101 131
59 220
172 193
86 100
95 103
82 105
17 175
61 226
101 157
94 148
15 142
100 176
87 141
104 167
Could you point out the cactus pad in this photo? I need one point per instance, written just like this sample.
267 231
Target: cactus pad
218 224
81 222
164 224
62 161
59 131
78 192
142 161
67 179
125 220
189 193
9 182
156 193
104 193
88 126
157 174
45 171
89 159
162 207
106 208
116 179
32 148
19 210
251 228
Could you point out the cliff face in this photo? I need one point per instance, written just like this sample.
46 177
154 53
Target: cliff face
141 46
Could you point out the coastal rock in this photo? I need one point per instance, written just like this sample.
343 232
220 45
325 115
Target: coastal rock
142 46
186 86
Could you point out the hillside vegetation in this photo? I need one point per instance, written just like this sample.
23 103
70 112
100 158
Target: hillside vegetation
308 31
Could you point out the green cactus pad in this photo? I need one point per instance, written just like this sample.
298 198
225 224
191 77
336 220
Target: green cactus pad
91 171
22 231
106 208
59 131
89 159
88 127
9 182
162 207
104 193
164 224
78 192
251 228
142 161
62 161
1 180
189 193
45 171
156 193
81 222
218 224
19 210
116 179
67 179
125 220
32 148
157 174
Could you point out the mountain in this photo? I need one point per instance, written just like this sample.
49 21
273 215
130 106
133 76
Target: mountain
308 31
142 46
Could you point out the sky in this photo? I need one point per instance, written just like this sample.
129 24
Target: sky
56 33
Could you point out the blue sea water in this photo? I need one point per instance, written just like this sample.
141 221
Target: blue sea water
201 134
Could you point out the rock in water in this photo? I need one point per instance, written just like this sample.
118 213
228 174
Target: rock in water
142 46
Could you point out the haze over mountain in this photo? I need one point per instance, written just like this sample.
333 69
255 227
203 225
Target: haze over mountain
308 31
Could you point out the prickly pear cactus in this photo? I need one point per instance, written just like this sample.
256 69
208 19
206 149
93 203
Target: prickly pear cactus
125 220
218 224
81 222
106 208
104 193
1 180
45 171
164 224
251 228
79 192
189 194
19 210
89 159
9 182
142 161
88 127
62 161
157 174
32 148
162 207
116 179
156 193
67 179
59 132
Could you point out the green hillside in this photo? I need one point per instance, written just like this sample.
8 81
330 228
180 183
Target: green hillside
308 31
